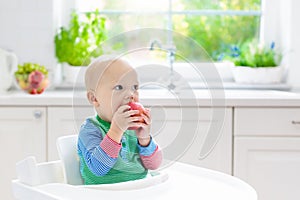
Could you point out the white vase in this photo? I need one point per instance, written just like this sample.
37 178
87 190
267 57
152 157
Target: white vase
73 74
8 65
260 75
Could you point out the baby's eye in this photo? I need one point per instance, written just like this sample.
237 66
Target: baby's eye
135 87
118 87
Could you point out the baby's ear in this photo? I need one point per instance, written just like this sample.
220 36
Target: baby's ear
92 99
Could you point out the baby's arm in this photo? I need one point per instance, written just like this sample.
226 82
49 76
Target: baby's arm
151 155
100 154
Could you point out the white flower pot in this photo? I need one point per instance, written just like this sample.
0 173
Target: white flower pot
73 74
260 75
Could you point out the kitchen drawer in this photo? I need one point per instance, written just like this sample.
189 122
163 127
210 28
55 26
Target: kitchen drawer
267 121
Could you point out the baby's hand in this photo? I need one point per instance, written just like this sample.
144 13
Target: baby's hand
122 119
143 132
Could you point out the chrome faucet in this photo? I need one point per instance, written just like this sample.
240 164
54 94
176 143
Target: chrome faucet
171 49
153 43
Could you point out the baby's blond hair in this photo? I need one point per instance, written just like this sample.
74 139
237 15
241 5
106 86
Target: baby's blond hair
96 70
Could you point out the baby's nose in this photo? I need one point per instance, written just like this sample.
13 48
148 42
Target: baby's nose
130 94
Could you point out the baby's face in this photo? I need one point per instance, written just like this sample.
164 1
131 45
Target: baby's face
118 86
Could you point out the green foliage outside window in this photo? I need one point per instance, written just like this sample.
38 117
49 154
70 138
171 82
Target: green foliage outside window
217 33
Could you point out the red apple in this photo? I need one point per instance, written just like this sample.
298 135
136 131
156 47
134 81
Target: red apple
40 90
136 106
36 83
35 78
32 91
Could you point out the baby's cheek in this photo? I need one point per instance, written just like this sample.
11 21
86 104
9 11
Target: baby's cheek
115 106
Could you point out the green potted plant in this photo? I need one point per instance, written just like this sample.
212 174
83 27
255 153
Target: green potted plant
80 42
256 63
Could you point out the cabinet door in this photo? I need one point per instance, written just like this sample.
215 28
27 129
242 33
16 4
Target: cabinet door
22 133
64 121
270 164
267 122
167 126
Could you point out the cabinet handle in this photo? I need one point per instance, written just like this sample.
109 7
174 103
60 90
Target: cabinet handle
37 114
295 122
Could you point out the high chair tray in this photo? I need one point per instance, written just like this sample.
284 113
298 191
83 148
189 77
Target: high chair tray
179 181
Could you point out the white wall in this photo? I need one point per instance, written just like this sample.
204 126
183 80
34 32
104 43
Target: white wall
277 25
281 24
294 73
27 28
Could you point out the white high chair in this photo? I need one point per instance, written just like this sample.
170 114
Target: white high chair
61 180
66 147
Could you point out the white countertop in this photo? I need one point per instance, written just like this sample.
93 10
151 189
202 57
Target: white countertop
200 97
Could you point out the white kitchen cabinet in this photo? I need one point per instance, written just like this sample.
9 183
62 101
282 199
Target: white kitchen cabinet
22 133
267 151
64 121
170 129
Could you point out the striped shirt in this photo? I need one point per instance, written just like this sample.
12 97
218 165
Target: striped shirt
102 160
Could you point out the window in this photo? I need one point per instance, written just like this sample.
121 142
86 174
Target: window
214 24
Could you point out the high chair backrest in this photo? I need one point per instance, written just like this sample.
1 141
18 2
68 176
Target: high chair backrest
67 150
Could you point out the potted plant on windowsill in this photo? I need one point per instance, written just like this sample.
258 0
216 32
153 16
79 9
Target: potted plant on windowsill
256 63
80 42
